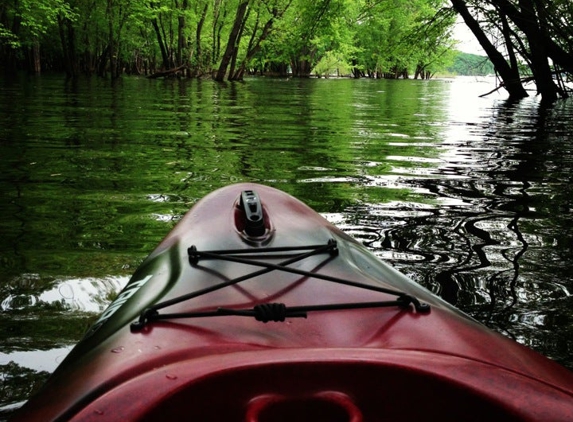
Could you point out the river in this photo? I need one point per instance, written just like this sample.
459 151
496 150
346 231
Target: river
471 197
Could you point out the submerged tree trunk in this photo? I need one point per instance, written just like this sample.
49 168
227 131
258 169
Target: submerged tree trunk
102 61
509 75
506 31
301 68
537 26
421 72
217 28
539 61
112 52
302 64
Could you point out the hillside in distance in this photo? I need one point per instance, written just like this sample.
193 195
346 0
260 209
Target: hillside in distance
467 64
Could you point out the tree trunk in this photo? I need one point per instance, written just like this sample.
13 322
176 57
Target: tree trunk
36 62
112 44
67 38
161 42
301 68
200 59
559 56
255 47
302 64
509 75
506 31
217 27
419 72
539 62
102 62
251 51
112 52
65 52
236 49
181 40
233 41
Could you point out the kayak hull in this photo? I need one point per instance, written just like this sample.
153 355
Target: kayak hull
392 362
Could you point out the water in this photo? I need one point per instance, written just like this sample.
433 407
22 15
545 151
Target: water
469 196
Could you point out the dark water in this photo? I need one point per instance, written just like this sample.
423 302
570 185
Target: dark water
471 197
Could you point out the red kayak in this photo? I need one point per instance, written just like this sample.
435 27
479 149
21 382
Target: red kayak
255 308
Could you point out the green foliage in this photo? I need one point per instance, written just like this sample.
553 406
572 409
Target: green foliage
332 64
398 37
364 37
27 20
8 38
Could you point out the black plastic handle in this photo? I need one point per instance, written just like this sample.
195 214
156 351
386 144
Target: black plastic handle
254 219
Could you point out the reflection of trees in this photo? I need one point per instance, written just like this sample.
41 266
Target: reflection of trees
16 385
502 188
500 247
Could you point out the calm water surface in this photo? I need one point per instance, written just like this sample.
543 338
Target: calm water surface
471 197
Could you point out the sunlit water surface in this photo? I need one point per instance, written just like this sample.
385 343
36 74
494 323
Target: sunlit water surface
469 196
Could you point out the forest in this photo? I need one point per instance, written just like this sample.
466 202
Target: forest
525 40
227 38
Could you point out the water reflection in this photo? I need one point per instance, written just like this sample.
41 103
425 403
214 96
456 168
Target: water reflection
490 206
85 295
469 196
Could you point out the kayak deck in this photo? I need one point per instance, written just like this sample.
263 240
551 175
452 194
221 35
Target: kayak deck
255 308
270 311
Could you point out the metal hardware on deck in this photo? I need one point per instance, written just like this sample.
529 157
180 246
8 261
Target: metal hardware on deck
273 311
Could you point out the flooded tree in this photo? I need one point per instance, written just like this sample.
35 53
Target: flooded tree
525 40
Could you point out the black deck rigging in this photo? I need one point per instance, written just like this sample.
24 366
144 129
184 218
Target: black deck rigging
272 311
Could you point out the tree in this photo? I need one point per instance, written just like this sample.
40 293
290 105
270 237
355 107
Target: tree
157 21
508 74
524 39
24 22
431 41
230 36
397 37
531 34
313 33
471 65
258 37
254 20
233 42
200 60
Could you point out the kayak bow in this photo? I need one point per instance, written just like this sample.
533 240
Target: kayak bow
255 308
